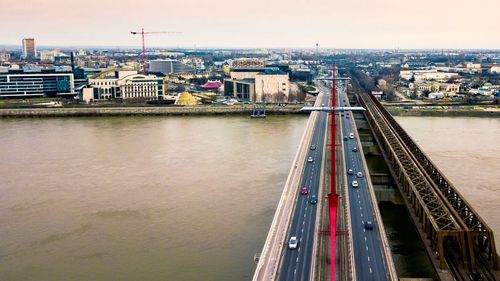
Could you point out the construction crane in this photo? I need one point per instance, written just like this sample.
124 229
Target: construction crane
142 33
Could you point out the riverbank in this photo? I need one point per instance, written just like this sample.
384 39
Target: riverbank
131 111
446 112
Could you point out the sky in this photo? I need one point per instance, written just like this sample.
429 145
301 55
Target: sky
360 24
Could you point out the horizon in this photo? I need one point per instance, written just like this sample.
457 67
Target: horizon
18 47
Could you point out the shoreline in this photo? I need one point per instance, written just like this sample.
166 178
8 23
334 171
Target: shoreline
443 112
141 111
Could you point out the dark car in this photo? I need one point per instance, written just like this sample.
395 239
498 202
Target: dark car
313 147
345 138
304 191
350 172
368 225
354 149
313 200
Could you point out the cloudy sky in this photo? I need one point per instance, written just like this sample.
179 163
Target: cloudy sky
255 23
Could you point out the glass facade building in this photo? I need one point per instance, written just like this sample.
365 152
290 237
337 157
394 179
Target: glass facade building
45 83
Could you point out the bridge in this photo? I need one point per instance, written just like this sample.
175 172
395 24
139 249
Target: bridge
342 236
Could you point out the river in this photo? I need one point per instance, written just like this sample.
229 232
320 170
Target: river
140 198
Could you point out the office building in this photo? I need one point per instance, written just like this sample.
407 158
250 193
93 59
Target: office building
266 84
29 49
36 83
169 66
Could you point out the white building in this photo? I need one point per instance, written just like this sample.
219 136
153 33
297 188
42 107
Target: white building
47 56
127 85
436 96
432 74
495 69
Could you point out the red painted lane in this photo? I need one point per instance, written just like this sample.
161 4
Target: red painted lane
332 197
332 201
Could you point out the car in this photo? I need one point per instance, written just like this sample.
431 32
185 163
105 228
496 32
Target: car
310 159
293 243
347 116
304 190
350 172
368 225
345 138
313 200
359 174
354 184
313 147
354 149
351 135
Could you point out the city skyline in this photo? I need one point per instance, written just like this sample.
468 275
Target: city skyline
382 24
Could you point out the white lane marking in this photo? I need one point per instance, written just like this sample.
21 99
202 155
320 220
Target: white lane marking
361 213
297 259
370 270
303 222
304 215
365 238
364 230
302 230
300 240
367 248
294 271
368 258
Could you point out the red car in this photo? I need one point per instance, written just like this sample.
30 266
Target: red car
304 191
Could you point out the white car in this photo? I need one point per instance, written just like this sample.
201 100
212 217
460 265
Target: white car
355 184
310 159
351 135
293 243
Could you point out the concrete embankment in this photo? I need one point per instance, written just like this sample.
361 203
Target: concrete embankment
444 112
128 111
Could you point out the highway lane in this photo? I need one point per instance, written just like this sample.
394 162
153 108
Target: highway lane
296 263
368 256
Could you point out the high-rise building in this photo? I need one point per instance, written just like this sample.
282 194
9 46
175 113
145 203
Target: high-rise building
29 49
